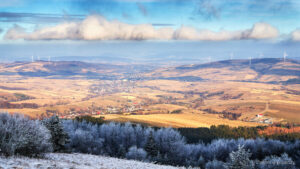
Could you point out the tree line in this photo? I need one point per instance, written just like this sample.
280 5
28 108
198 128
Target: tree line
287 132
20 135
206 135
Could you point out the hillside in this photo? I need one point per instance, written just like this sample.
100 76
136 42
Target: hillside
229 92
267 70
76 161
68 69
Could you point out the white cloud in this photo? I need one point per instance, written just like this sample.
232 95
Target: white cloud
296 35
98 28
188 33
261 31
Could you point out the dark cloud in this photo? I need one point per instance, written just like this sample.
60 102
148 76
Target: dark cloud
37 17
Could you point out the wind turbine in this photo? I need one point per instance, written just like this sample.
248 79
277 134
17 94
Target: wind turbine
49 58
284 56
209 59
231 56
250 61
32 59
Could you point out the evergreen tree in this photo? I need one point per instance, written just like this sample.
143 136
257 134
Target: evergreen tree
240 159
151 147
58 136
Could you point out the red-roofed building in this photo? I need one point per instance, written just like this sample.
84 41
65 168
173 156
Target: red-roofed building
259 115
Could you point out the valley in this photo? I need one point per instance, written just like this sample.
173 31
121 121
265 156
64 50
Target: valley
230 92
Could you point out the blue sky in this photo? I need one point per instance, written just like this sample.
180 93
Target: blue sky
28 22
210 14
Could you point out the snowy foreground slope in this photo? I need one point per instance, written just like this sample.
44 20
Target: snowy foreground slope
78 161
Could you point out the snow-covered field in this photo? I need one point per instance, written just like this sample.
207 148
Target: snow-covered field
78 161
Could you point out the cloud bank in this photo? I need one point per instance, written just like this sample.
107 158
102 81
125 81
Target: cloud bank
98 28
295 35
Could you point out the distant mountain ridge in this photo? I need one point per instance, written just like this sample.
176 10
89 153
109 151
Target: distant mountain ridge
266 70
66 69
270 70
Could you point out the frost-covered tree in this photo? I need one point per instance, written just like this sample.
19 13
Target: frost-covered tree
142 135
136 153
127 136
293 150
167 138
115 139
240 159
275 162
220 149
112 138
22 136
171 146
58 136
84 137
118 138
194 156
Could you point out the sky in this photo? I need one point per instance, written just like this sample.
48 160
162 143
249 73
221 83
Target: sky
138 30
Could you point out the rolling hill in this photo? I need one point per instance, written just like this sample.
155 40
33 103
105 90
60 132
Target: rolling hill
267 70
230 92
67 69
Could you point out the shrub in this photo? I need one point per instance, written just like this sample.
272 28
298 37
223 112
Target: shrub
21 136
136 153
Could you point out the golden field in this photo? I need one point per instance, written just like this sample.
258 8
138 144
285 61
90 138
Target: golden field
178 120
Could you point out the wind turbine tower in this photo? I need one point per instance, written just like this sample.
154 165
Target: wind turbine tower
284 56
231 56
32 59
209 59
49 58
250 61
